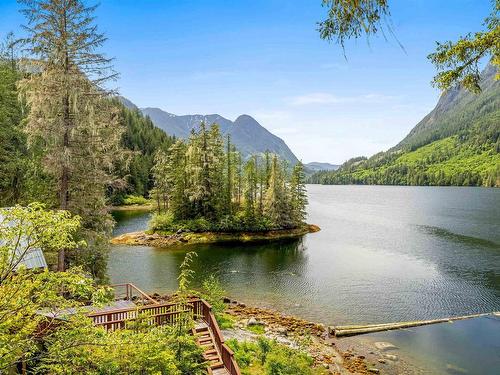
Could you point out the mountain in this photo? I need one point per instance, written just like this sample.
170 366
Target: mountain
246 133
457 143
127 103
456 110
317 166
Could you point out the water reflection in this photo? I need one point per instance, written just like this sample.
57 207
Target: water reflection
463 347
383 254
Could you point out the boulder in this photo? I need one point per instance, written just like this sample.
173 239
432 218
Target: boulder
254 322
391 357
384 346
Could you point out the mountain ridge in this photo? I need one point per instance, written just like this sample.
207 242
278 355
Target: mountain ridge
246 133
457 143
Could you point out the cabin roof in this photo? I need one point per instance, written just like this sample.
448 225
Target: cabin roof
31 259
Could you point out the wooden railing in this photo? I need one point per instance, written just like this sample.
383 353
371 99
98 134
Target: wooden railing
226 353
168 313
130 292
154 314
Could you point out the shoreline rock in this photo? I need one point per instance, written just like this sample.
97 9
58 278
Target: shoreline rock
143 238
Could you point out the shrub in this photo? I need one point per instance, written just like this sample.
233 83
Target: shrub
134 199
271 358
284 361
162 222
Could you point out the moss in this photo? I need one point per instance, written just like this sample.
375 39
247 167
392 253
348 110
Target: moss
166 239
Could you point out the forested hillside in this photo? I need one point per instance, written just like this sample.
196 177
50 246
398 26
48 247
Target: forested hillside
458 143
21 175
144 139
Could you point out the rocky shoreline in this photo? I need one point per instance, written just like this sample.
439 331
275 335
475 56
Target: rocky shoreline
144 238
346 355
349 355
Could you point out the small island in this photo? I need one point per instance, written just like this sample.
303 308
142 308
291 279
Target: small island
204 192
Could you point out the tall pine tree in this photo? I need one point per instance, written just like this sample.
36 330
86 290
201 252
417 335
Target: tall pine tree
71 114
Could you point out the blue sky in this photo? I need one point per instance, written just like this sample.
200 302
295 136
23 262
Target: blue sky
265 58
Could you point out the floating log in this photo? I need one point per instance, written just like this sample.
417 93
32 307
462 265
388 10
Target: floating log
351 330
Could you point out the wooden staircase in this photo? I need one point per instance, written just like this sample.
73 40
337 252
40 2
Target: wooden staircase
206 341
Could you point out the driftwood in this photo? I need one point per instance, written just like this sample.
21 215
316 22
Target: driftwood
351 330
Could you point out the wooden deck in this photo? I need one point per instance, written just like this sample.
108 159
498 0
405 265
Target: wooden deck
219 357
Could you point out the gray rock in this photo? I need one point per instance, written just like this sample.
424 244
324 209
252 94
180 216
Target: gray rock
254 322
374 370
282 331
391 357
384 346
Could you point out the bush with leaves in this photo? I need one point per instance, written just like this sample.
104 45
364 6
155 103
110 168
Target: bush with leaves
82 348
271 358
24 293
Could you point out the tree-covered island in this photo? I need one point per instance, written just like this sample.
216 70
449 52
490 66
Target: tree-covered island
205 192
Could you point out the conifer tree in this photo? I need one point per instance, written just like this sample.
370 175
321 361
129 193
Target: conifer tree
276 205
70 112
250 190
160 192
12 140
229 175
298 194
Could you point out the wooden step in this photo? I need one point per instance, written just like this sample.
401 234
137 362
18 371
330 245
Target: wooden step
216 365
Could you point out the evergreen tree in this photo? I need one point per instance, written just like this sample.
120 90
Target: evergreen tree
71 114
250 190
276 206
203 182
298 193
160 192
12 140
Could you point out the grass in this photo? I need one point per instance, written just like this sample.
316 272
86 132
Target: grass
257 329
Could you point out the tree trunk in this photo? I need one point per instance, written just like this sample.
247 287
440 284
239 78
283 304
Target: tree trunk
64 188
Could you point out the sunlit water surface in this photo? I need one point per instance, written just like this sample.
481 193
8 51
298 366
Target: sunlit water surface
384 254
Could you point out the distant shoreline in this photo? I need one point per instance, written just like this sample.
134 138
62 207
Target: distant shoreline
144 238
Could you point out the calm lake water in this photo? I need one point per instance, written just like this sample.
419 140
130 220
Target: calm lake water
384 254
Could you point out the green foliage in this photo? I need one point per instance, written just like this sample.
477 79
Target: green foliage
271 358
458 161
70 344
457 62
23 292
200 186
71 120
352 19
458 145
81 348
12 140
213 293
186 273
144 140
258 329
134 199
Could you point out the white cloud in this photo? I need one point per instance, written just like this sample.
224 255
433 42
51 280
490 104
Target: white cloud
327 98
